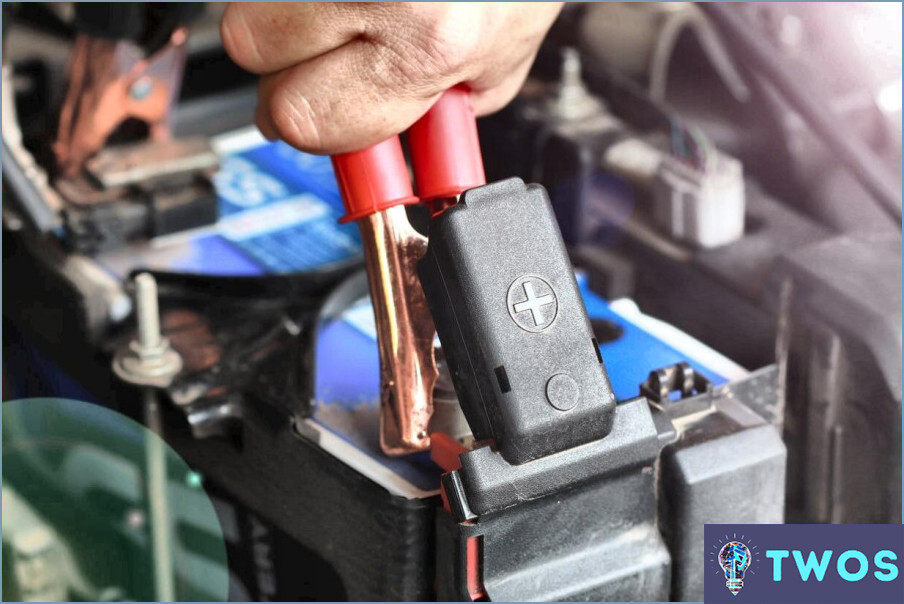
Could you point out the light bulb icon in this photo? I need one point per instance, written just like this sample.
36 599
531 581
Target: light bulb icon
734 558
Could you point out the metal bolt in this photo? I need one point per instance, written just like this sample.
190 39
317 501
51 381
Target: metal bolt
147 310
571 68
572 99
149 360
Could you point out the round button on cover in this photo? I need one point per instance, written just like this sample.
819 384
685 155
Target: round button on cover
562 392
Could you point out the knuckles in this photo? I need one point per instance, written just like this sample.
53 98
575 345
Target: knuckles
238 38
416 51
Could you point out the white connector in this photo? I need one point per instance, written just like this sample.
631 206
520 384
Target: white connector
702 206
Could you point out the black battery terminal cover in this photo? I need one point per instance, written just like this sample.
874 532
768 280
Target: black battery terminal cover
514 330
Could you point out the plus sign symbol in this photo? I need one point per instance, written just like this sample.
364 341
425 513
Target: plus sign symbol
532 303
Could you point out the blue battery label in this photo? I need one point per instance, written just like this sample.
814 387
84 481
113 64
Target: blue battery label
279 213
281 208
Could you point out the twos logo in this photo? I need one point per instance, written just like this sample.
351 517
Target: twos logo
803 563
734 559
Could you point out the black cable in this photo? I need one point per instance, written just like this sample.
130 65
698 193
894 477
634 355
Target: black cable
853 153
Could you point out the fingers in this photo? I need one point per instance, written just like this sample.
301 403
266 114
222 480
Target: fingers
341 76
345 100
266 37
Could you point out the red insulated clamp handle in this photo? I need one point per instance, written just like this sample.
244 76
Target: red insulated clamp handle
445 150
373 179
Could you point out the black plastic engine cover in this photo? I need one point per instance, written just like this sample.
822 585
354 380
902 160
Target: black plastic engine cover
513 327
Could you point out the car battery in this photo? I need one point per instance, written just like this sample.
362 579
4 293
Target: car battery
314 475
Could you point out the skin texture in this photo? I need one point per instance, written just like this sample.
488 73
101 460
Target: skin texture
338 77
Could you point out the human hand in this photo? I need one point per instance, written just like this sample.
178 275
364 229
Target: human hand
339 77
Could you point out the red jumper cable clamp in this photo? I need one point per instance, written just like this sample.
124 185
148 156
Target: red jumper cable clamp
375 186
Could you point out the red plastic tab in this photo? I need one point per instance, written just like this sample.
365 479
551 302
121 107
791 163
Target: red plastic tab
474 569
373 179
445 150
444 451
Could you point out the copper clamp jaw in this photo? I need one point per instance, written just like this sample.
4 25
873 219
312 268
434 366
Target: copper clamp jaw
110 81
405 330
375 187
